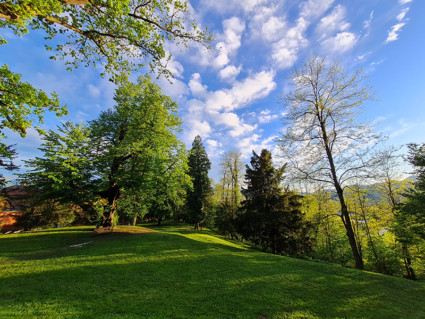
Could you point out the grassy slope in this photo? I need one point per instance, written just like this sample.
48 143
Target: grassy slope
179 273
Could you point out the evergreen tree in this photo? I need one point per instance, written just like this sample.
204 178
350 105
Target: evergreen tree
409 222
270 216
199 165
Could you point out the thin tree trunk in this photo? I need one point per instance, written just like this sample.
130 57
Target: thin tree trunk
408 263
345 216
134 220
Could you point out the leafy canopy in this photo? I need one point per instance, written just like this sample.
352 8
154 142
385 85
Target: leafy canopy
121 35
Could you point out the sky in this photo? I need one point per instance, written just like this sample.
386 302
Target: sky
230 97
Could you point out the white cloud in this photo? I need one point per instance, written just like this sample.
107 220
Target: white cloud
213 148
230 72
174 67
241 94
231 120
333 22
341 42
273 28
196 86
201 128
285 51
404 1
402 14
379 62
253 143
174 89
231 41
224 6
216 106
266 117
312 9
367 23
402 128
392 34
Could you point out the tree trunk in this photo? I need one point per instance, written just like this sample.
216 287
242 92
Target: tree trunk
351 237
108 216
408 263
134 220
159 221
345 216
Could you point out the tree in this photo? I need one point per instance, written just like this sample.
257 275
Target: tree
65 173
409 221
7 155
121 36
231 170
324 140
124 151
199 165
270 216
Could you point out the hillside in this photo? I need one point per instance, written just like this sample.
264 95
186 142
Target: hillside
174 272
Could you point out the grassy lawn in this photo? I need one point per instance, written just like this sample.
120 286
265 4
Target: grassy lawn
174 272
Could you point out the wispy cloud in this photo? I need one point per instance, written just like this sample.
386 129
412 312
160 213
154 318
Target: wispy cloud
393 33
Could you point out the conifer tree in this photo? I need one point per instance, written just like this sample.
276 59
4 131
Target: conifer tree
199 165
270 216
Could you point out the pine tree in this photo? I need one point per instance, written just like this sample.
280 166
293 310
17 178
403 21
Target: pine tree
199 165
270 216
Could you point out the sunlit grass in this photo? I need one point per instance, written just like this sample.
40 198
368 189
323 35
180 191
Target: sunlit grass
175 272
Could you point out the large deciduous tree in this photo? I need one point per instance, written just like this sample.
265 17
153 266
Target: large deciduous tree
270 216
199 165
324 140
129 150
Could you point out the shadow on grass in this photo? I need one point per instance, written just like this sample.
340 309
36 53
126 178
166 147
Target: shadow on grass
162 275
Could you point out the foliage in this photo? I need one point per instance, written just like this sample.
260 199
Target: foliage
47 214
43 276
270 216
409 216
65 173
22 105
197 196
7 155
122 36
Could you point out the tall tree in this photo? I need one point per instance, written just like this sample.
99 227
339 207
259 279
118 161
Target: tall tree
133 146
199 165
409 221
270 216
324 139
231 168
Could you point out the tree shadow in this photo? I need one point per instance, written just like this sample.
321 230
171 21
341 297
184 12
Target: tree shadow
162 275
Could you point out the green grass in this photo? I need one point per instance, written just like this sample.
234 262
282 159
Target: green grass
175 272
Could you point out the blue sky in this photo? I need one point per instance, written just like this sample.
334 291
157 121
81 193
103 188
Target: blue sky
229 97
